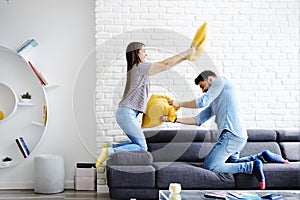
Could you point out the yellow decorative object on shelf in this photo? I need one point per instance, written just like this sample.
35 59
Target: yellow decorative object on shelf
198 42
45 114
1 115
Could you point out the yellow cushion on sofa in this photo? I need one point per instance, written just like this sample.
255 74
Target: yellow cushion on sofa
158 106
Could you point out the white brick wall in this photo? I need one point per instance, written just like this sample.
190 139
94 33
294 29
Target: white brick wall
255 43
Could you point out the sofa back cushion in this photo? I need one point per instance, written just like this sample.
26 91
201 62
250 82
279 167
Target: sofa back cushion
190 145
179 151
290 150
194 144
260 140
289 141
180 135
254 148
261 135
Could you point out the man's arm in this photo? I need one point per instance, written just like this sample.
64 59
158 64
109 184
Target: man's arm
198 120
188 121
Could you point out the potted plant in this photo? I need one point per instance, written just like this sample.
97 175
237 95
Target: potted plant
6 161
26 97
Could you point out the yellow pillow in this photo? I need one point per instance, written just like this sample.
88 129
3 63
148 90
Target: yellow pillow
198 42
158 106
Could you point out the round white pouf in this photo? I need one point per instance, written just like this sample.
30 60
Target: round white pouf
49 174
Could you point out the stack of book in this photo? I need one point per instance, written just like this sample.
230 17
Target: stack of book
31 43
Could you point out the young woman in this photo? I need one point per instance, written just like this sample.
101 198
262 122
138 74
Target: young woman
134 100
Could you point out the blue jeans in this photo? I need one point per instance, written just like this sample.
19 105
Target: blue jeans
127 120
224 156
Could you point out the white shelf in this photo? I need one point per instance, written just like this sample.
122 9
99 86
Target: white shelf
2 166
25 104
50 86
38 123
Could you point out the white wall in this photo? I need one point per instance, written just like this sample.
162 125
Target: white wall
255 43
65 31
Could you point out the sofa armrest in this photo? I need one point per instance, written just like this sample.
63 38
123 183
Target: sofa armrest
130 158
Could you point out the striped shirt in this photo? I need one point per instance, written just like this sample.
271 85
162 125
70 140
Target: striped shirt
137 88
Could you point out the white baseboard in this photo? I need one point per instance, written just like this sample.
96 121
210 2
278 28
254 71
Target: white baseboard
69 184
28 185
16 185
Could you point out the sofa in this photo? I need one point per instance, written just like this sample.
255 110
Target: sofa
176 156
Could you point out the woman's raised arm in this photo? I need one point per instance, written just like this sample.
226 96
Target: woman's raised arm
168 63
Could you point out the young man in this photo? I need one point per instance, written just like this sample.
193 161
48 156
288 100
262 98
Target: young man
219 99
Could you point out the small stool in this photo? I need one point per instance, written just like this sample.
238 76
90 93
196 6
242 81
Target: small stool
49 174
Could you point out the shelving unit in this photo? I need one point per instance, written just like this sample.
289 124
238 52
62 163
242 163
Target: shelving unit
25 119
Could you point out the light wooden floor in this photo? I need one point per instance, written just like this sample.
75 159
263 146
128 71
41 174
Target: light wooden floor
66 195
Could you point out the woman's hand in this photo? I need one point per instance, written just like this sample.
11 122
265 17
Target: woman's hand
164 118
175 103
192 50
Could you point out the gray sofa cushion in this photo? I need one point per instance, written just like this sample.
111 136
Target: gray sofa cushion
253 148
289 177
186 152
255 135
196 152
131 176
288 135
130 158
180 135
291 150
190 176
282 176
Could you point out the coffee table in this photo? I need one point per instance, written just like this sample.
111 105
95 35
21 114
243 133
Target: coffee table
199 194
